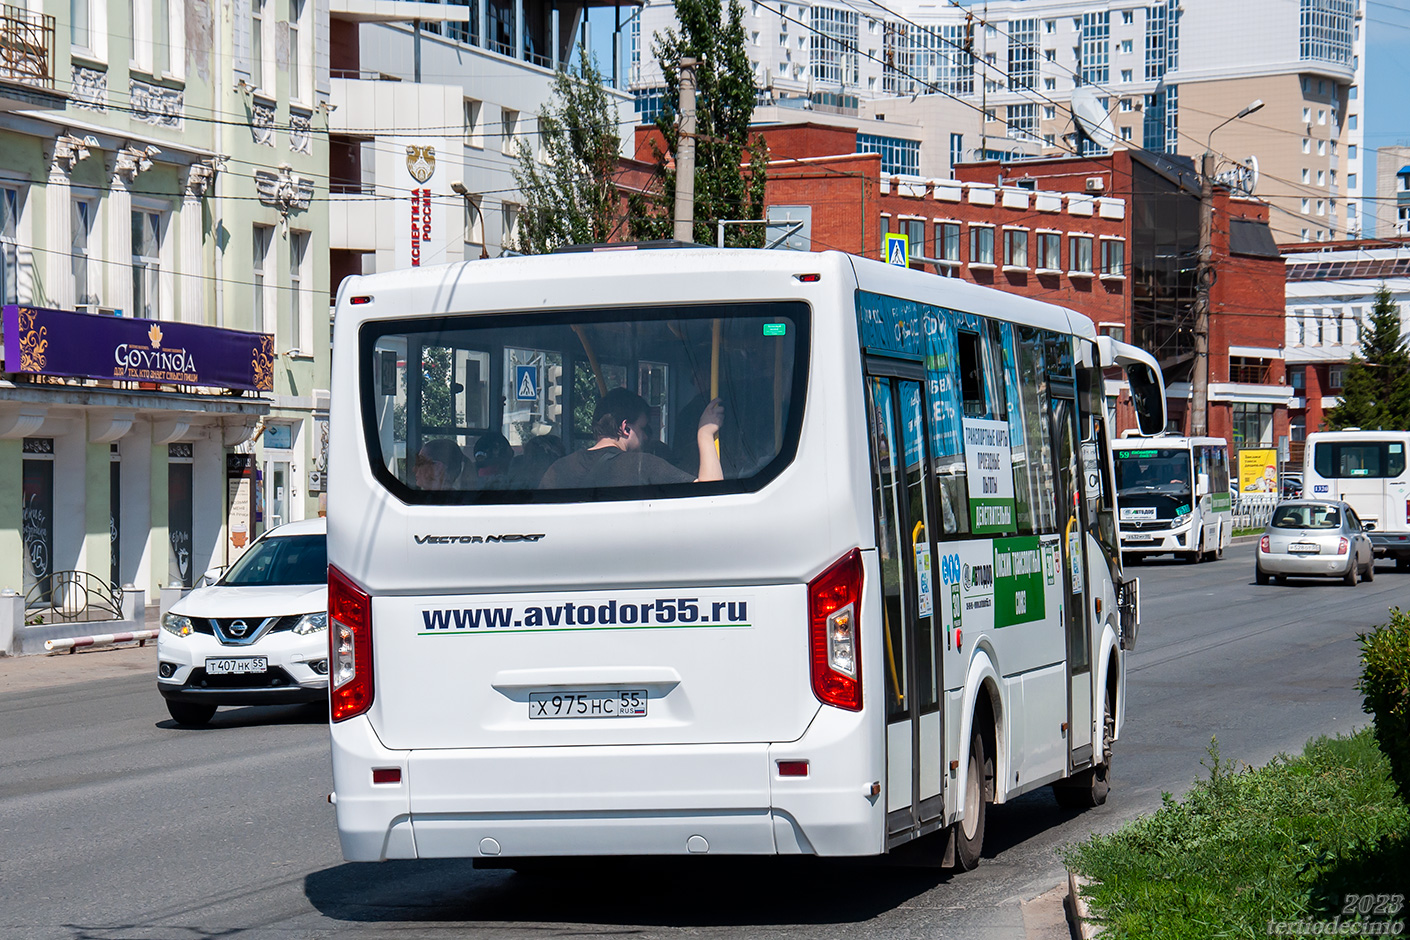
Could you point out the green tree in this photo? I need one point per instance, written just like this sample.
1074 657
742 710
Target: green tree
570 195
1375 394
713 34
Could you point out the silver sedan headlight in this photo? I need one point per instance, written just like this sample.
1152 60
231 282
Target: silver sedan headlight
311 623
177 624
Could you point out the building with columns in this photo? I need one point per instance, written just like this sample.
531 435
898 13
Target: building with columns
163 210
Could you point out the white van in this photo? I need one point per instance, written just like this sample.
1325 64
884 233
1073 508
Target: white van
565 621
1174 494
1368 471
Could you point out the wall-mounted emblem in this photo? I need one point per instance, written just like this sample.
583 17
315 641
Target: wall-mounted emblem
420 162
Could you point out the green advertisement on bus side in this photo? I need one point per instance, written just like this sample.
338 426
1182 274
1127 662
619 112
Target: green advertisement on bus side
1019 591
1221 502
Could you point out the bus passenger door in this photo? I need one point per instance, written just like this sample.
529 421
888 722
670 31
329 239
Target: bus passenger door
905 534
1072 525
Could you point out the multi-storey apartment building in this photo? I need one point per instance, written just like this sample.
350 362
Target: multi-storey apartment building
163 186
1391 206
1166 74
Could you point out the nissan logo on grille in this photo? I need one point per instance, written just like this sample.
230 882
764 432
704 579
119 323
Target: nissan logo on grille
238 628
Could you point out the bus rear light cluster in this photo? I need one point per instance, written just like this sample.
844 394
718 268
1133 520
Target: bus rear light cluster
834 597
349 647
1407 512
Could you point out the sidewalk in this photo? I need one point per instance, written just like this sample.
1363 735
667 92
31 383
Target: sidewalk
45 670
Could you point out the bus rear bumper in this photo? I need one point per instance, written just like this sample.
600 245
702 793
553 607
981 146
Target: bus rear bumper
718 799
1390 544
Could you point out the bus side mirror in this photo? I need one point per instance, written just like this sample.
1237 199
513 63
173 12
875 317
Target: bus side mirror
1147 398
1202 485
1144 379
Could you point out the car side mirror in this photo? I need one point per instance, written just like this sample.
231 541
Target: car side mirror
1369 526
212 575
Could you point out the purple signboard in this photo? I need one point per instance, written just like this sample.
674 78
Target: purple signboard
60 342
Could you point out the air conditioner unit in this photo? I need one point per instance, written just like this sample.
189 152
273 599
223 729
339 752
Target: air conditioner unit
97 310
1095 184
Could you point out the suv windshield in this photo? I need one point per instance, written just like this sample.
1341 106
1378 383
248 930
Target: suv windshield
1306 517
282 559
572 405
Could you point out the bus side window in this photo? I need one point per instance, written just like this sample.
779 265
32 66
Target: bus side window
1034 401
1020 443
971 375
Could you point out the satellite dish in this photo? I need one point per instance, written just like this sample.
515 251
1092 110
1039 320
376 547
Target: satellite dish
1093 120
1241 177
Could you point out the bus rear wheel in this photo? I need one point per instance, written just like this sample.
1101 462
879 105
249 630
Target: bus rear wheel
969 832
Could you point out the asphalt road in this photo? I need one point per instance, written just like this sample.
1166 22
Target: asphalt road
114 823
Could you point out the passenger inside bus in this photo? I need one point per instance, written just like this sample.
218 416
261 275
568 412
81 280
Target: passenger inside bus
620 458
439 465
493 455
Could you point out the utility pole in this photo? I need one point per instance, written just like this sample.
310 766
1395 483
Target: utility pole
685 155
1204 274
1204 279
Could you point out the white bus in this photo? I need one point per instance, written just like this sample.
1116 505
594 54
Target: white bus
1366 469
1174 496
902 601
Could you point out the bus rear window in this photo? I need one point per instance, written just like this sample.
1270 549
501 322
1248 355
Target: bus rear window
574 406
1343 459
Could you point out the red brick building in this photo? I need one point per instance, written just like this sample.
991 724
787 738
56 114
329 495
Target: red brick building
1248 390
1114 237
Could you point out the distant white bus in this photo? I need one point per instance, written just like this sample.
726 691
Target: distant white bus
554 634
1174 495
1366 469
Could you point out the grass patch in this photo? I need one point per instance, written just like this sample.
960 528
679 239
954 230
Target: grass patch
1288 842
1251 530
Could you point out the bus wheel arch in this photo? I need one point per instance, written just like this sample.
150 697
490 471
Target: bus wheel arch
977 782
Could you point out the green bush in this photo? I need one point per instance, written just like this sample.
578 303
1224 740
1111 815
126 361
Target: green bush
1292 841
1385 683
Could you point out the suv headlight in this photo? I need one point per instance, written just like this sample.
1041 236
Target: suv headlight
177 624
312 623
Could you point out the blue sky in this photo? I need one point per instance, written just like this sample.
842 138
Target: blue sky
1387 115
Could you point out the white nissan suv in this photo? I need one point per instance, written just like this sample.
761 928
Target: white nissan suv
257 636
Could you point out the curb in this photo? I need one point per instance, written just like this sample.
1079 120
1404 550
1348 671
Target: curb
1084 925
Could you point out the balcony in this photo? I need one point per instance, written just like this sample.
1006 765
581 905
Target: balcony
27 61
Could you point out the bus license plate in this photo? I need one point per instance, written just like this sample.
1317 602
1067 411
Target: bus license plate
242 666
1138 538
602 703
1304 548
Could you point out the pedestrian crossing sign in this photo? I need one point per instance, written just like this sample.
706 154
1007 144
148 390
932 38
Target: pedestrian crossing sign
898 250
526 383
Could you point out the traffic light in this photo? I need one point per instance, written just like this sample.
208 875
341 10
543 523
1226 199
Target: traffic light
553 395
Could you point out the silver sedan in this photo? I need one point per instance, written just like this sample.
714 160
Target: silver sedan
1309 538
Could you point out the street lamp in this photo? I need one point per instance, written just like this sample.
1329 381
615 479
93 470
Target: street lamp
472 211
1204 278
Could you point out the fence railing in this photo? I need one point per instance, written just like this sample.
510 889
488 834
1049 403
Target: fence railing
73 597
1253 510
26 47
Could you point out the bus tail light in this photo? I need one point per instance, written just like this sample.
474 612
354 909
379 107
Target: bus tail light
1407 512
1342 546
1263 545
834 599
349 647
